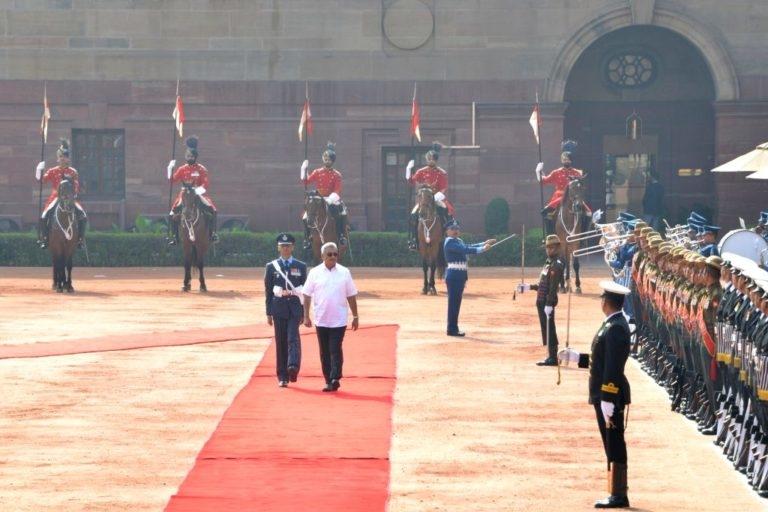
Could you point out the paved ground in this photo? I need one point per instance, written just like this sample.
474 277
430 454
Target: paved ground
478 427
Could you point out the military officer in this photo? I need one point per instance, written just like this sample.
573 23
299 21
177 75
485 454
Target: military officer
546 298
560 178
328 182
609 391
436 178
708 241
456 252
284 278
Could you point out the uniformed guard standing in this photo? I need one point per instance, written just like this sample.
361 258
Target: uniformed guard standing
609 389
546 298
456 272
284 278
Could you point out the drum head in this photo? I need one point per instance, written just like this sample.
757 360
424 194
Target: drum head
745 243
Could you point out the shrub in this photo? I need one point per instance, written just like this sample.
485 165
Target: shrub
497 216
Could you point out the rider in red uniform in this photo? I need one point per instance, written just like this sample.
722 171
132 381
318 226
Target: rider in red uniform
560 178
196 175
327 181
435 178
54 176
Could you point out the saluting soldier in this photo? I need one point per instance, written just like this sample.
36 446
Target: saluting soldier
609 390
456 252
284 279
546 298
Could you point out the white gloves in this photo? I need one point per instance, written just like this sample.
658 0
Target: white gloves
333 198
596 216
200 190
539 168
408 169
39 170
304 167
607 408
171 165
439 196
548 310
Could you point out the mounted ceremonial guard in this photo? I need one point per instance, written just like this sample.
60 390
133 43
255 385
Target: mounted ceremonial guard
435 178
54 176
327 181
194 175
560 178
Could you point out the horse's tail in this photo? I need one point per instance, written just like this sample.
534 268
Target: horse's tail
441 261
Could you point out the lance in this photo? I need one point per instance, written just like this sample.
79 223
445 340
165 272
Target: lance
540 162
306 130
43 134
178 115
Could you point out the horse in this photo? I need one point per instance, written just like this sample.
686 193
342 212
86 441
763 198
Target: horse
63 235
195 229
430 233
569 218
321 224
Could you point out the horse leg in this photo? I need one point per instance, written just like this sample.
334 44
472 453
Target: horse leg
69 287
200 266
187 275
432 268
425 288
576 266
60 278
55 284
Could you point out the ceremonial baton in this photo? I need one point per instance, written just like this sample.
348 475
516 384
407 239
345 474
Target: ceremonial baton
504 240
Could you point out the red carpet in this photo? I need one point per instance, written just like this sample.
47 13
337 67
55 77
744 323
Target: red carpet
300 449
138 340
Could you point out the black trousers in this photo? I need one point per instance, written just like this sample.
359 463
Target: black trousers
552 342
287 344
613 438
331 355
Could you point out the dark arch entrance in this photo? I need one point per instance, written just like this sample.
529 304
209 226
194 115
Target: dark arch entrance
660 76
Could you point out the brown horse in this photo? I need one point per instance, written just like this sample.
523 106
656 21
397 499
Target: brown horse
430 231
569 219
62 240
195 232
322 225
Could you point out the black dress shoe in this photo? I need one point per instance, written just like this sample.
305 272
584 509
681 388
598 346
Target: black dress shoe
335 384
613 502
283 383
328 388
460 334
293 373
547 362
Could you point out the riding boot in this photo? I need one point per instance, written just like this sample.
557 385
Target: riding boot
42 228
341 229
307 244
549 222
173 238
81 223
214 236
413 235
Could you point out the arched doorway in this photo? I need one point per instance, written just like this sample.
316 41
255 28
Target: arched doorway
658 77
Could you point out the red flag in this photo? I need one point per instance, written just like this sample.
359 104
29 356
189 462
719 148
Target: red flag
535 120
306 120
46 115
178 112
415 117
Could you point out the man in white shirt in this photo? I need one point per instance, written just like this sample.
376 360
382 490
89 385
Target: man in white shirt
327 292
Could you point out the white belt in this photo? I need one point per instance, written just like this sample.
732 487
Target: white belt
458 266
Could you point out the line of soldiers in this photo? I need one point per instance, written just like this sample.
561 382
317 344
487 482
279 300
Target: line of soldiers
702 333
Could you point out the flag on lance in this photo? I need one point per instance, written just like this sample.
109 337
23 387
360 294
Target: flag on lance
46 115
178 113
415 117
306 119
535 120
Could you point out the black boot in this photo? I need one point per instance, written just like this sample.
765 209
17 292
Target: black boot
413 235
81 223
549 223
214 236
341 229
617 479
173 235
42 228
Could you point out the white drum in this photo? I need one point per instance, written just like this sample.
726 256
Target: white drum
745 243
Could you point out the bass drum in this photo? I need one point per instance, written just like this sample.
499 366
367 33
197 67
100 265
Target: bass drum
745 243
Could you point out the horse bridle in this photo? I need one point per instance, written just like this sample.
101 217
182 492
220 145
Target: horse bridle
189 223
577 207
312 224
423 220
69 211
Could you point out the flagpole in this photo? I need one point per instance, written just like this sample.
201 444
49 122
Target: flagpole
409 199
306 131
42 157
173 158
541 182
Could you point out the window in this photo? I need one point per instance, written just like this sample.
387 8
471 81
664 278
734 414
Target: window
99 157
629 70
397 194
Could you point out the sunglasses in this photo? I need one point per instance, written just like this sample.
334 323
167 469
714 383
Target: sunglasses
334 254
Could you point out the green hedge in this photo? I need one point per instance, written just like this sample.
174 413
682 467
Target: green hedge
246 249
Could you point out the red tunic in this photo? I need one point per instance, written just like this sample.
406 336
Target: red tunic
195 175
560 178
54 175
435 178
326 181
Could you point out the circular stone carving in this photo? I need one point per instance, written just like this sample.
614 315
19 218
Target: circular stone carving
630 70
408 24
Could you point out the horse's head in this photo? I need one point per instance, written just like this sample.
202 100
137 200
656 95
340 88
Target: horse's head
425 199
66 191
574 196
189 197
313 203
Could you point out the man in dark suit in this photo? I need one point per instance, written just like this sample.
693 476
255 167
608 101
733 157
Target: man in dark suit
609 389
284 278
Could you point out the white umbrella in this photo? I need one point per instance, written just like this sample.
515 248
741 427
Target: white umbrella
754 161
